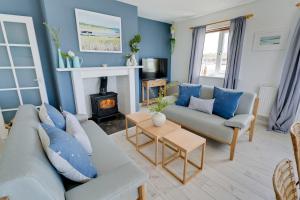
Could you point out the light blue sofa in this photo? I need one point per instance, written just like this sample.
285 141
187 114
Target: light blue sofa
215 127
25 172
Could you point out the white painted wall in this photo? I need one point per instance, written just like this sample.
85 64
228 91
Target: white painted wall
257 67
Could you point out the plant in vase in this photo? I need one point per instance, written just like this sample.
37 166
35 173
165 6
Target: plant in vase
172 40
134 48
161 103
54 33
69 56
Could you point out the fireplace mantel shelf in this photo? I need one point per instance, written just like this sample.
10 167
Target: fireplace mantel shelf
97 68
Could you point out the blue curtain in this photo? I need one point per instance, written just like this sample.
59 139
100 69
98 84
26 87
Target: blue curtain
285 107
196 54
235 46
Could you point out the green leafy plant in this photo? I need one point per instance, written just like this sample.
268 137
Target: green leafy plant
54 32
173 41
161 102
69 54
134 43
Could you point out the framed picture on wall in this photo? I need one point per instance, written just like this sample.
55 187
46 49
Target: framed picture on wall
271 40
98 32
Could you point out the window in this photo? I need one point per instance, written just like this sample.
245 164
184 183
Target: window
214 59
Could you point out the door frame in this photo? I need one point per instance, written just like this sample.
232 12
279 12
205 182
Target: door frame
28 21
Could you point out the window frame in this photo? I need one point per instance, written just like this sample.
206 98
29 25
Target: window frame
222 31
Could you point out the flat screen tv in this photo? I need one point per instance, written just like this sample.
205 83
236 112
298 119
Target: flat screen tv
154 68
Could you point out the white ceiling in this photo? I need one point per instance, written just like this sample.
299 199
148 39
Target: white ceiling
176 10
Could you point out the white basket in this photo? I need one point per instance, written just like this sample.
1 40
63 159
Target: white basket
3 130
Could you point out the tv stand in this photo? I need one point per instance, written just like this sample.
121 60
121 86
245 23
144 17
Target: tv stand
147 85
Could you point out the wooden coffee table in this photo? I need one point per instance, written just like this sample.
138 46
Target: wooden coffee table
135 118
186 142
155 133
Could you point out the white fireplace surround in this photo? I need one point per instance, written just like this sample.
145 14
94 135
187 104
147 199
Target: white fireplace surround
121 79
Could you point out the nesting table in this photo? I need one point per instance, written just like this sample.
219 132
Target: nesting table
186 142
182 142
135 118
156 134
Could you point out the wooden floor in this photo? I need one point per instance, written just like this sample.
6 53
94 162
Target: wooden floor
249 176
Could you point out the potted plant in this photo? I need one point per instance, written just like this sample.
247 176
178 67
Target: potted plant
54 33
69 56
134 48
161 103
172 40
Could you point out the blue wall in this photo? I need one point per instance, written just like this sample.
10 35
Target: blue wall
155 41
61 14
32 8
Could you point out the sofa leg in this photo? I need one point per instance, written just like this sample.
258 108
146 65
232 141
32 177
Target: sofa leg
251 131
233 143
255 109
142 193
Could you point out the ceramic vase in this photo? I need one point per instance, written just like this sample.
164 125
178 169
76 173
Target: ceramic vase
68 63
61 63
131 61
158 119
77 62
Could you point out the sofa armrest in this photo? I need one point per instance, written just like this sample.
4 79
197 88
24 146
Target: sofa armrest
239 121
82 117
109 185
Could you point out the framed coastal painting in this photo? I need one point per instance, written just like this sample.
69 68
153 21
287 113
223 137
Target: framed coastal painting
98 32
270 40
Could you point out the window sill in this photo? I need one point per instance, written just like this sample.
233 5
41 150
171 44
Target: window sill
214 77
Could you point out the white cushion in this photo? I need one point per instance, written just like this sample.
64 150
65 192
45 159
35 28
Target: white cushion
203 105
74 128
44 117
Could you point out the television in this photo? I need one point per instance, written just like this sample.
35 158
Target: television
154 68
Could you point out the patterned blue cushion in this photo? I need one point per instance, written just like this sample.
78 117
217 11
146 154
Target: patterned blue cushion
66 154
226 102
56 117
185 93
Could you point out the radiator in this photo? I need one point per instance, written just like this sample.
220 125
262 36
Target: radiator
267 95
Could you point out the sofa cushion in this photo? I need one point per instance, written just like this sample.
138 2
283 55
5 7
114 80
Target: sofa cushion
246 101
74 128
51 116
119 176
226 102
211 126
112 185
66 154
203 105
185 93
104 159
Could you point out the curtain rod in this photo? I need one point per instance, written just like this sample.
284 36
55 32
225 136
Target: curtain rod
247 17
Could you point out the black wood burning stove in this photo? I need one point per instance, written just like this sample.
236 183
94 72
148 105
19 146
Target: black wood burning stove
104 104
